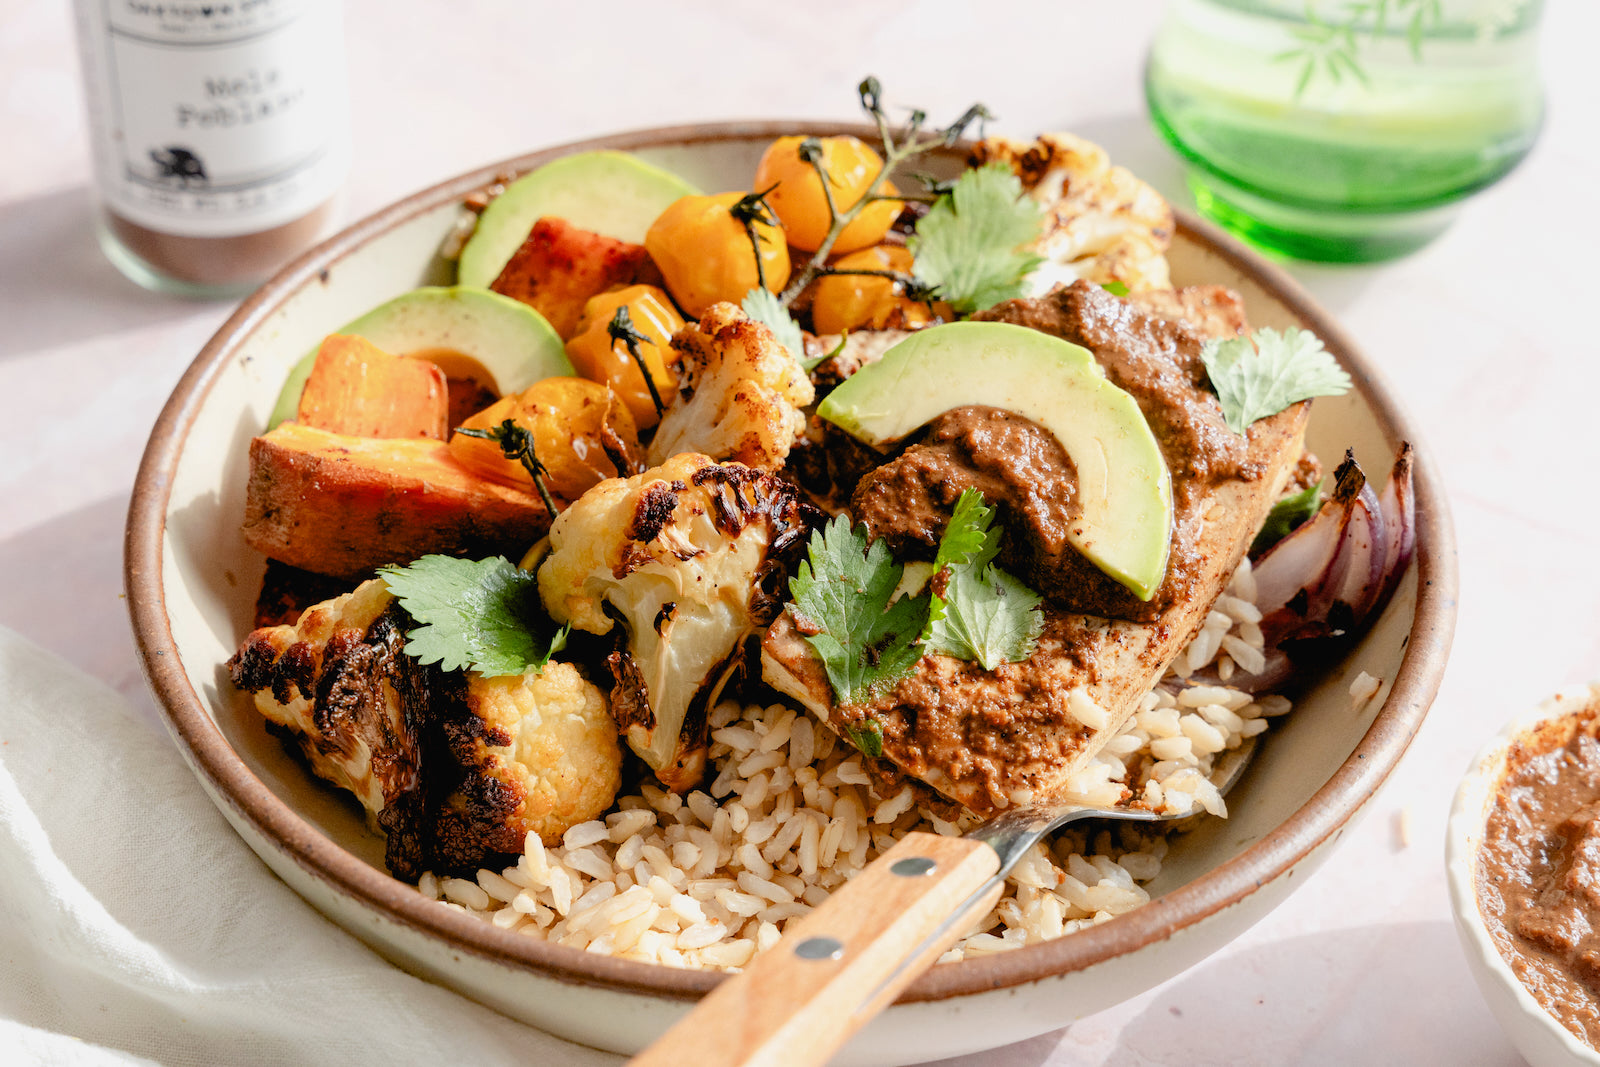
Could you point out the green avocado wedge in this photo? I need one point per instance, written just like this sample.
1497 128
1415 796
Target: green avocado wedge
1124 488
506 338
611 193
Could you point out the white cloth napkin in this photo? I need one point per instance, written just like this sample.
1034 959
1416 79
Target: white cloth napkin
136 927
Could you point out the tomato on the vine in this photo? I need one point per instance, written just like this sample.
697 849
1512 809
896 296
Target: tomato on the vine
870 301
598 357
797 195
705 254
581 432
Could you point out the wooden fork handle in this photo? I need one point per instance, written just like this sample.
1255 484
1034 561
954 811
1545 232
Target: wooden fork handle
841 964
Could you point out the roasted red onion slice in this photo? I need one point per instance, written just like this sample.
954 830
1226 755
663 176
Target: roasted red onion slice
1338 569
1399 514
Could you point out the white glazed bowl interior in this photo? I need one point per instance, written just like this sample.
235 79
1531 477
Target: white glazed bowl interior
1537 1034
192 583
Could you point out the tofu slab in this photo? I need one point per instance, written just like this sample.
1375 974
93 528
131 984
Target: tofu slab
990 739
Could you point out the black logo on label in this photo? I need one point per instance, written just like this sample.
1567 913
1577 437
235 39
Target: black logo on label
177 164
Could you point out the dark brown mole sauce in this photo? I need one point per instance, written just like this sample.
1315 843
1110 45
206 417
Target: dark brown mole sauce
1539 869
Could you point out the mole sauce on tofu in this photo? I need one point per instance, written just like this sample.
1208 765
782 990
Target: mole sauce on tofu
1539 869
1010 459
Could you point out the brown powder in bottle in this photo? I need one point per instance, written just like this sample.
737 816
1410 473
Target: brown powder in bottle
220 262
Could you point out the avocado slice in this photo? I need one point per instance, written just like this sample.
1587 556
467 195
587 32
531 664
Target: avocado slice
469 332
1124 489
611 193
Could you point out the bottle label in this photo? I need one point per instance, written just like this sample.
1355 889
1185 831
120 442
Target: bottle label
214 118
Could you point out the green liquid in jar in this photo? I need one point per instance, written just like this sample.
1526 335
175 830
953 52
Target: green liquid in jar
1359 157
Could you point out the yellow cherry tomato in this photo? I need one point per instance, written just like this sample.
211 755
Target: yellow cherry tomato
865 301
705 254
581 431
800 205
597 357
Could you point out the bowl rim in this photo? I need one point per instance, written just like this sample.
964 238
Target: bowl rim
1469 814
230 780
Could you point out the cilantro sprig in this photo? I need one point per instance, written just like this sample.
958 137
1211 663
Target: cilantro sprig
481 615
844 606
984 613
764 306
1254 380
969 247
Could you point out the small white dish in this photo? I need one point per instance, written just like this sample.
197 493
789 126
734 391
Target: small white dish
1536 1034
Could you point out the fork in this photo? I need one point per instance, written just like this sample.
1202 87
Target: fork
841 964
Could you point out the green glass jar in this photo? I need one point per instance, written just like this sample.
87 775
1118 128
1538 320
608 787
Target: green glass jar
1345 130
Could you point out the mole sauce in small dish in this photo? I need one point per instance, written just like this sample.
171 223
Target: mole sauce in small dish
1521 867
1539 867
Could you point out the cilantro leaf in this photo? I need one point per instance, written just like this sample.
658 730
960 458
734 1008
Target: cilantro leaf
1285 515
484 615
968 246
1115 288
989 617
984 613
764 306
867 737
841 605
966 535
1254 380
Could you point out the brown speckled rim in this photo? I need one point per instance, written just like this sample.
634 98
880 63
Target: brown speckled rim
1319 819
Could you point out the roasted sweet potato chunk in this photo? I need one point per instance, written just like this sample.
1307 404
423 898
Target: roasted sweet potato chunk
559 267
341 505
357 388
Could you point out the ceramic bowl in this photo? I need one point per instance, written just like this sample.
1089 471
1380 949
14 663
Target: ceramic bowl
1541 1039
191 584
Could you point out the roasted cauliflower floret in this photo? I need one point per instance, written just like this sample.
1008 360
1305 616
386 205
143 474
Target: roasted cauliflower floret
739 393
453 768
340 687
690 557
530 753
1101 223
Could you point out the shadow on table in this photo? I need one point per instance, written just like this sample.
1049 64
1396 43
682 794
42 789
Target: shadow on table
1304 1000
1307 1000
62 589
57 284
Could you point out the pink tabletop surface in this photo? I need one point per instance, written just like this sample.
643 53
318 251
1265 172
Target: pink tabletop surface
1488 335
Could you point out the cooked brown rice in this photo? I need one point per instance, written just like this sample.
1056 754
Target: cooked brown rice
709 879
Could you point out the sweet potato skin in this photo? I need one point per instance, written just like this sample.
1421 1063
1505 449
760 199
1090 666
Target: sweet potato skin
357 388
341 505
560 266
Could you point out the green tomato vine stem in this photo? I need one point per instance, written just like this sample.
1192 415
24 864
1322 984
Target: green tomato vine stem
913 144
621 328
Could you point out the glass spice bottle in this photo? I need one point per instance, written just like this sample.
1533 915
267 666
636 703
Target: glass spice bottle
220 135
